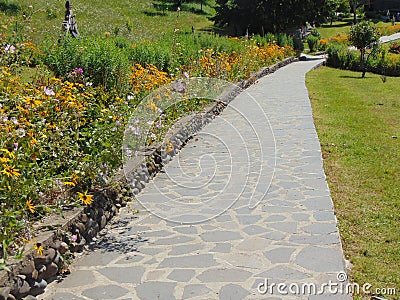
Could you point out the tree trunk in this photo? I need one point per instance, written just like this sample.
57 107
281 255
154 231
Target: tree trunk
362 63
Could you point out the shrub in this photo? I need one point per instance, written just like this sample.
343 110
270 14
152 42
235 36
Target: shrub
102 61
298 44
312 42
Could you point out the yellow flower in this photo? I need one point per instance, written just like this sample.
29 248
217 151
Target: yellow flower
4 159
32 101
30 206
69 183
9 153
39 249
10 171
85 198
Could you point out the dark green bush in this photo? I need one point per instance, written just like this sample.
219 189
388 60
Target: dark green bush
312 42
298 44
102 61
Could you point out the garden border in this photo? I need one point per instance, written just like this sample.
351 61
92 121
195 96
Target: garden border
60 235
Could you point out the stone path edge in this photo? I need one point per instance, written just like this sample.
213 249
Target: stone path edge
55 230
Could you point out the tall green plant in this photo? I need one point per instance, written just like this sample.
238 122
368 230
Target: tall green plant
364 37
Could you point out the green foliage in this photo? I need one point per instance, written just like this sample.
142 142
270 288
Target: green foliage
298 44
284 40
364 37
312 42
260 16
101 59
384 63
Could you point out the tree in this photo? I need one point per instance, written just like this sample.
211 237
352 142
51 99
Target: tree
260 16
364 37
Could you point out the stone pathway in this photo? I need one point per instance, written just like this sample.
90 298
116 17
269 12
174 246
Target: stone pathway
253 183
389 38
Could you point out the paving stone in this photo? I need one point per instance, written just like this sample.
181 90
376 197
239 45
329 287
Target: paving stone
123 274
310 258
156 290
80 278
158 233
222 247
315 239
232 291
224 275
195 290
279 255
324 216
173 240
98 258
186 230
275 235
185 249
255 229
190 261
290 227
105 292
318 203
321 228
248 219
181 275
66 296
254 244
283 273
275 218
220 236
130 258
301 217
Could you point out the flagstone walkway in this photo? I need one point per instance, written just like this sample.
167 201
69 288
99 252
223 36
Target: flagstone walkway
257 212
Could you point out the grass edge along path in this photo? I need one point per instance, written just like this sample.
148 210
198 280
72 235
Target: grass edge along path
357 121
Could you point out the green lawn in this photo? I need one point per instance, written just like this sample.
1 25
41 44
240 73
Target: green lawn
343 27
358 123
137 19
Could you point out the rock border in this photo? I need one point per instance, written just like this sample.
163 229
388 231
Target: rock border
62 236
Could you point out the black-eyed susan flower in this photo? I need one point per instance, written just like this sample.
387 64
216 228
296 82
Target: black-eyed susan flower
85 198
10 171
30 206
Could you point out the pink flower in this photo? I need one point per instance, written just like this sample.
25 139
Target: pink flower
48 91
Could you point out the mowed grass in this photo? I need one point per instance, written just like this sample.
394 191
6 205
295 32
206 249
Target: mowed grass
358 123
343 27
136 19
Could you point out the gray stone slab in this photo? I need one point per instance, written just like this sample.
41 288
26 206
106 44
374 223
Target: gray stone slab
181 275
105 292
195 290
152 290
282 273
186 230
66 296
80 278
173 240
326 239
99 258
220 236
279 255
232 291
123 274
189 261
321 228
255 229
222 248
185 249
320 259
290 227
224 275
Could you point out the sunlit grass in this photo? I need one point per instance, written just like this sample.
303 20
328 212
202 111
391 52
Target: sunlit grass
359 128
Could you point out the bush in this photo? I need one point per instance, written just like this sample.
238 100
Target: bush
340 56
101 60
284 40
298 44
312 42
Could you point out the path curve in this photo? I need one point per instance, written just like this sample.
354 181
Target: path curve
290 237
